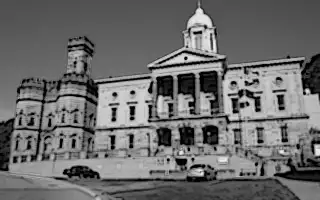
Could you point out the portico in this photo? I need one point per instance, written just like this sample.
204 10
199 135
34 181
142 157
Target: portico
185 95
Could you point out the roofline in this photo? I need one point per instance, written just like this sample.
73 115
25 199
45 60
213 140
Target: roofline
267 62
310 63
123 78
168 56
214 60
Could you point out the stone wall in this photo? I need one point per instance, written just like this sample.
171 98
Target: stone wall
123 168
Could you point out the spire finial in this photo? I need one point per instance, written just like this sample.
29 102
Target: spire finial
199 4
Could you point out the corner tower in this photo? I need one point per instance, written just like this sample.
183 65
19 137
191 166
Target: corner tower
75 110
201 33
80 53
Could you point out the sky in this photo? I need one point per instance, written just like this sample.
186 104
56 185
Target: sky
130 34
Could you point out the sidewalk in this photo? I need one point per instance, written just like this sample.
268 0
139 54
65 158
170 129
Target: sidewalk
302 189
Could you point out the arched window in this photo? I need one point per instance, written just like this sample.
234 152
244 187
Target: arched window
75 118
61 141
47 143
31 122
90 144
49 122
29 143
73 143
20 121
91 120
17 143
63 118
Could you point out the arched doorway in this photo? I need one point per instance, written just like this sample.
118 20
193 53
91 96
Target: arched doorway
210 135
164 137
186 136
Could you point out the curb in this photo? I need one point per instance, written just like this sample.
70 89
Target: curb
173 179
143 179
286 187
285 176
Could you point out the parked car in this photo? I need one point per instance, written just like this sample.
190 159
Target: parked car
201 171
81 172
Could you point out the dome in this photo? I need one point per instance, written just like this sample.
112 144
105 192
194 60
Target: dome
200 18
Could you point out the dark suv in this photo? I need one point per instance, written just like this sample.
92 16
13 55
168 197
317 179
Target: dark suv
81 172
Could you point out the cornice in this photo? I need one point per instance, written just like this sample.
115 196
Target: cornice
196 117
123 78
176 65
257 64
105 128
95 102
292 117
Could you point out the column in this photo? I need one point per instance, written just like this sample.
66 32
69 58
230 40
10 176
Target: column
198 136
220 91
175 96
197 93
175 138
154 97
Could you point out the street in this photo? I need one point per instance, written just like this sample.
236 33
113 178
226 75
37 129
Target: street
229 190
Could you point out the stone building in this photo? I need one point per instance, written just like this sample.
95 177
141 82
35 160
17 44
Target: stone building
193 98
311 75
6 128
57 116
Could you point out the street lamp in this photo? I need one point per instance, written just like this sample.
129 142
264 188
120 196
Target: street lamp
53 160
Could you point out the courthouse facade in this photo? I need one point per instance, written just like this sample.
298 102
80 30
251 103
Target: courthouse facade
191 98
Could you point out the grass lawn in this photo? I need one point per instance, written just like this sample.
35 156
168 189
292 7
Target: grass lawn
228 190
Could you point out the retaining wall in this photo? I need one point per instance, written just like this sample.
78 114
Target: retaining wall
122 167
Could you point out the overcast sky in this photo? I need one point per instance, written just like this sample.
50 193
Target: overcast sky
130 34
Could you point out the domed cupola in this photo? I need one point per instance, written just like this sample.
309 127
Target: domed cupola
201 32
199 18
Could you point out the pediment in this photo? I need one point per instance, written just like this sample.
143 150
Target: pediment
185 55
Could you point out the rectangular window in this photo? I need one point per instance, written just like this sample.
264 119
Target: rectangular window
170 109
257 104
260 135
284 134
191 108
198 39
112 142
150 111
114 114
131 141
237 136
214 107
235 105
281 103
132 110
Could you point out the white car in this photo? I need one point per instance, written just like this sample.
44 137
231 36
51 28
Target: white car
201 171
31 187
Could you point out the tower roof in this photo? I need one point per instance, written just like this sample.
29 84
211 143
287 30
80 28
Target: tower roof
199 18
